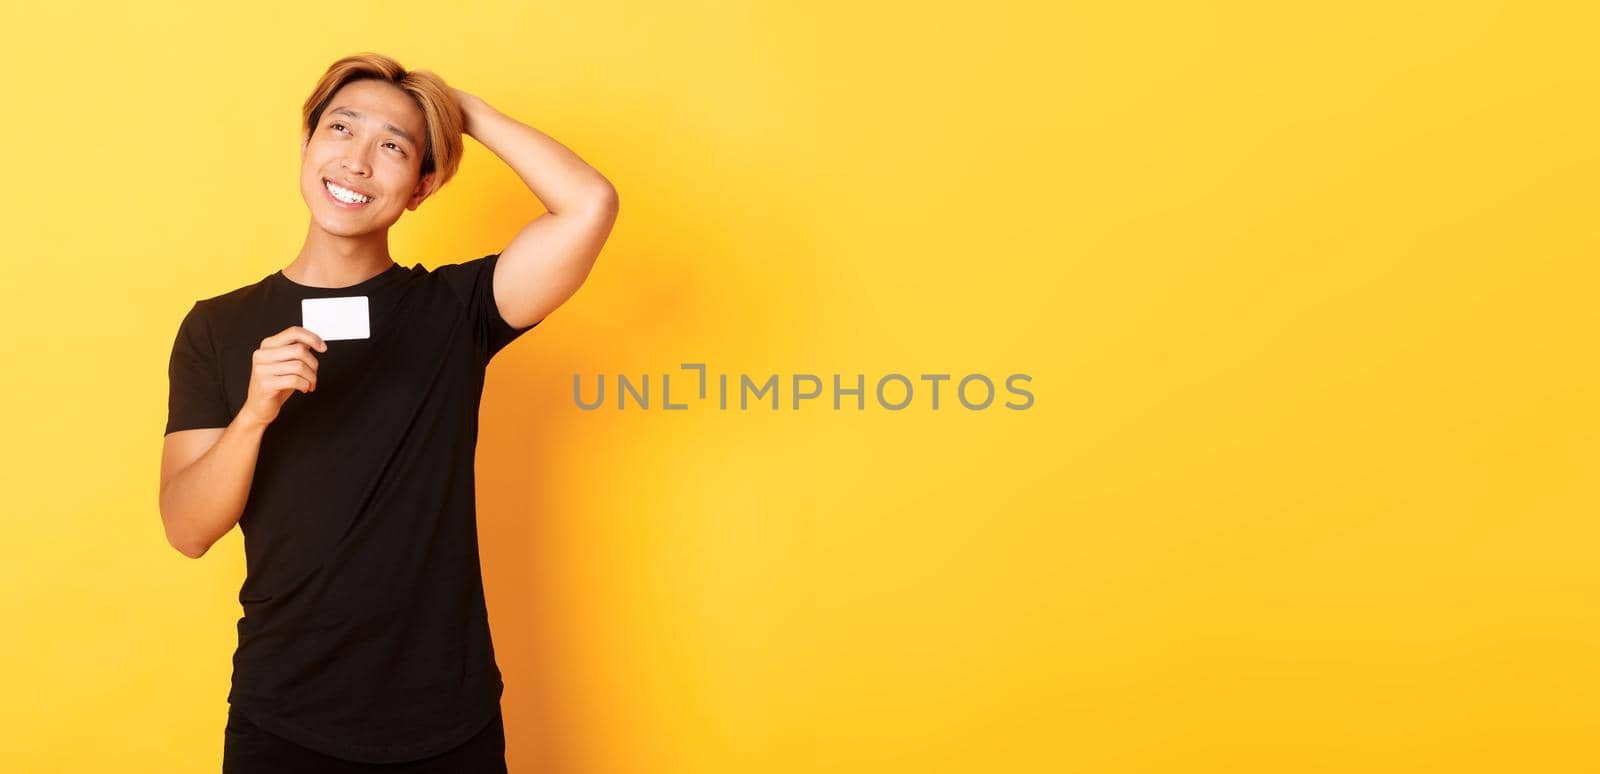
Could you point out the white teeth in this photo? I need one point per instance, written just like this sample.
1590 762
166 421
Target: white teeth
346 195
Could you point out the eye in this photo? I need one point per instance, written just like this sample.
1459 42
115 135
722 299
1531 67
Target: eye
335 125
398 148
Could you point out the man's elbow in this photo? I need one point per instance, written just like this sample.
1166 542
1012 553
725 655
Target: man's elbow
604 200
187 548
183 544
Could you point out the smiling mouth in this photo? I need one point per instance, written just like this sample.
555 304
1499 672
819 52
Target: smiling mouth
344 195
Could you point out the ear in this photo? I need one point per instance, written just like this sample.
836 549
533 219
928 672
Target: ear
425 188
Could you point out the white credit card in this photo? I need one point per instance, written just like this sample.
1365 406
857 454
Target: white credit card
333 319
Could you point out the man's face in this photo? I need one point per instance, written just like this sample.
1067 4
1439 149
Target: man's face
368 139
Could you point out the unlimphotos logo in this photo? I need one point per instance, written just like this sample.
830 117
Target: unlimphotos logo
974 392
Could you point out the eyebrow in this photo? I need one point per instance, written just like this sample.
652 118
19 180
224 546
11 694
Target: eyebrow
391 127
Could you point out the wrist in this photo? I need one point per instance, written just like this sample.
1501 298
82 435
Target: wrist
472 108
248 422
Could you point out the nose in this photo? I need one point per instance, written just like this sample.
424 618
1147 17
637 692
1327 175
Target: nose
356 163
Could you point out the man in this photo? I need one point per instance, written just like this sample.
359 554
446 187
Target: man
365 636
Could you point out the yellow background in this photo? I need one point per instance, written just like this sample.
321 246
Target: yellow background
1307 296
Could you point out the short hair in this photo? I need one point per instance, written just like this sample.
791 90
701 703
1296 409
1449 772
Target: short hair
441 112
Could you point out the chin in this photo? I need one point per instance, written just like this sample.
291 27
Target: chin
337 226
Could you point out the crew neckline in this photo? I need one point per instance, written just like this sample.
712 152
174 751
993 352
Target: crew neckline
368 283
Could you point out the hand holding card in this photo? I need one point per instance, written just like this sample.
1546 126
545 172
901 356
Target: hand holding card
282 365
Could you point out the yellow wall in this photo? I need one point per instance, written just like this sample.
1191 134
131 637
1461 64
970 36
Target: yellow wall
1307 299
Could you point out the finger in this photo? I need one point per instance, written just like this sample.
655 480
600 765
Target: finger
293 351
295 333
289 382
295 368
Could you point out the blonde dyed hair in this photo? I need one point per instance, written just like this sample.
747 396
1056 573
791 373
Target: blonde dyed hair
441 112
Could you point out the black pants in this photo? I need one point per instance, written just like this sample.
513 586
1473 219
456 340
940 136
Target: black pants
249 750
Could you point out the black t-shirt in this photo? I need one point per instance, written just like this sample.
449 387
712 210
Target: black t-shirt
365 634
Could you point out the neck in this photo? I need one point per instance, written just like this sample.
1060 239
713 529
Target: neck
330 260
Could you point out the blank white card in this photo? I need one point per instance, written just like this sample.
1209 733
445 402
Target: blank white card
333 319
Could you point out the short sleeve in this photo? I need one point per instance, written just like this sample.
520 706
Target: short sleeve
473 283
195 398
